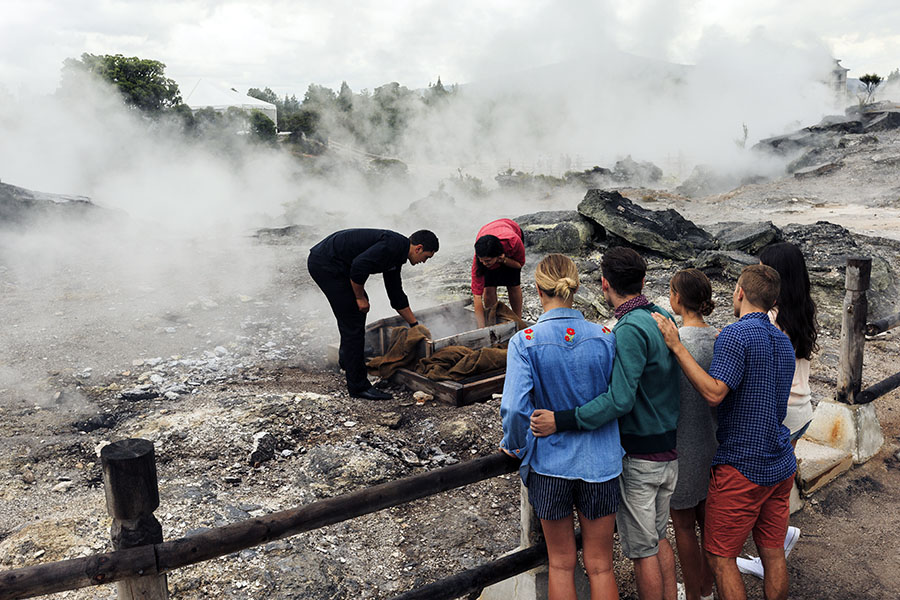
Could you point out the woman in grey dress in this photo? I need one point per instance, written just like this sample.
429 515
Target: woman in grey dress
690 295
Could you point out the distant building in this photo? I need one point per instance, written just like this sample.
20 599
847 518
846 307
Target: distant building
838 83
221 98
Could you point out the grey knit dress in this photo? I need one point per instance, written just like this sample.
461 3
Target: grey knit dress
696 435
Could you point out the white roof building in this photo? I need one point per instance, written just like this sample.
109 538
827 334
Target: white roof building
221 97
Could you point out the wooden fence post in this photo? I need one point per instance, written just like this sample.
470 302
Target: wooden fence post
853 326
132 494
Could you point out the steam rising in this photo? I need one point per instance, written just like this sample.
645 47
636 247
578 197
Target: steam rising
179 211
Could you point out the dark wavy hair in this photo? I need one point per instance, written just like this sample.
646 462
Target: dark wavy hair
694 291
796 309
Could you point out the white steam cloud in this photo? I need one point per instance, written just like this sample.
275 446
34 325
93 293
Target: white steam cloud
184 209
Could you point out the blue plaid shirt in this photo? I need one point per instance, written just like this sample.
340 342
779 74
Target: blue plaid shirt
756 361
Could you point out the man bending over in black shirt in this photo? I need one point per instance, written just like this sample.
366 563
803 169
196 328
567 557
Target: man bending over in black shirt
340 265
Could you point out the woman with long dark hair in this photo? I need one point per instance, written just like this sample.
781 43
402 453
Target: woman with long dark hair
795 315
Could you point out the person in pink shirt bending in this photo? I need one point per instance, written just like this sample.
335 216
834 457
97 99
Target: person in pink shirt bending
499 257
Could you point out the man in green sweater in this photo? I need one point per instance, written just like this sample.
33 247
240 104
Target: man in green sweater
643 396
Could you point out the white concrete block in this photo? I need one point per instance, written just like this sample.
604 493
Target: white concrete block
853 428
819 464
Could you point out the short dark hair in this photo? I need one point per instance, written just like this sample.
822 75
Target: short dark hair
624 269
488 246
761 285
427 238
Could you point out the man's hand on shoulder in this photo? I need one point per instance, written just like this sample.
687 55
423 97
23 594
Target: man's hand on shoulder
543 423
668 330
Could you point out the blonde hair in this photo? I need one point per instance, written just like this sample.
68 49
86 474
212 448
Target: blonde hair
557 276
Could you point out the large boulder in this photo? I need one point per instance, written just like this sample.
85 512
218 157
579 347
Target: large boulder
663 231
826 247
20 205
633 172
746 237
563 231
589 178
884 121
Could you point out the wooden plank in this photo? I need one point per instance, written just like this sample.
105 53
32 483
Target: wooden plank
479 338
484 388
457 393
445 391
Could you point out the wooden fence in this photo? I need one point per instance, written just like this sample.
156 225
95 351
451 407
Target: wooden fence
131 492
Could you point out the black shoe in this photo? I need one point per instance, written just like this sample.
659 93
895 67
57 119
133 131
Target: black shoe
372 394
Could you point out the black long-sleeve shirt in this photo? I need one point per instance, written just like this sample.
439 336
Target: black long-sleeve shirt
358 253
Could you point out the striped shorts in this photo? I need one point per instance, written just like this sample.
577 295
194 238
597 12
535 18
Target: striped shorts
553 497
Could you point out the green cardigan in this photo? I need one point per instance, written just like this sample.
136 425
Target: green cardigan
643 390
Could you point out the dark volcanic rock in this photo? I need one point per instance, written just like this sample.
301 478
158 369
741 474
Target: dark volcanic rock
747 237
664 231
589 178
264 446
20 205
826 247
884 121
633 172
303 234
837 124
563 231
142 392
726 264
818 170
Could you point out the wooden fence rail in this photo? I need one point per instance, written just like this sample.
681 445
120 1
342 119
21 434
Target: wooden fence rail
160 558
475 580
882 325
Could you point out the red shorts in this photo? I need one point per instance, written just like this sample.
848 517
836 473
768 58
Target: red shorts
735 506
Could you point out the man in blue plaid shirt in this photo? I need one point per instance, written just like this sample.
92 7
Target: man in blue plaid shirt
753 469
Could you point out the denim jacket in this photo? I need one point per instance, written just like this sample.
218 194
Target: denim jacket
560 363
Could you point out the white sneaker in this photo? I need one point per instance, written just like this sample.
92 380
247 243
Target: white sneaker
793 534
681 593
750 566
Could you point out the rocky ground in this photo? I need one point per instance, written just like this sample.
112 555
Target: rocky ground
230 384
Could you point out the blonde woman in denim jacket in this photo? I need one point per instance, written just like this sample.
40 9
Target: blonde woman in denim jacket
560 363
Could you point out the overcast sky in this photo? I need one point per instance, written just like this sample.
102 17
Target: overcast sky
287 45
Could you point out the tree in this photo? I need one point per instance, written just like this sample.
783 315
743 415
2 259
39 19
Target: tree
262 127
266 95
345 97
871 81
436 92
142 82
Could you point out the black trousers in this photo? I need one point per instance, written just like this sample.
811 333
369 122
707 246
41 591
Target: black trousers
350 321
